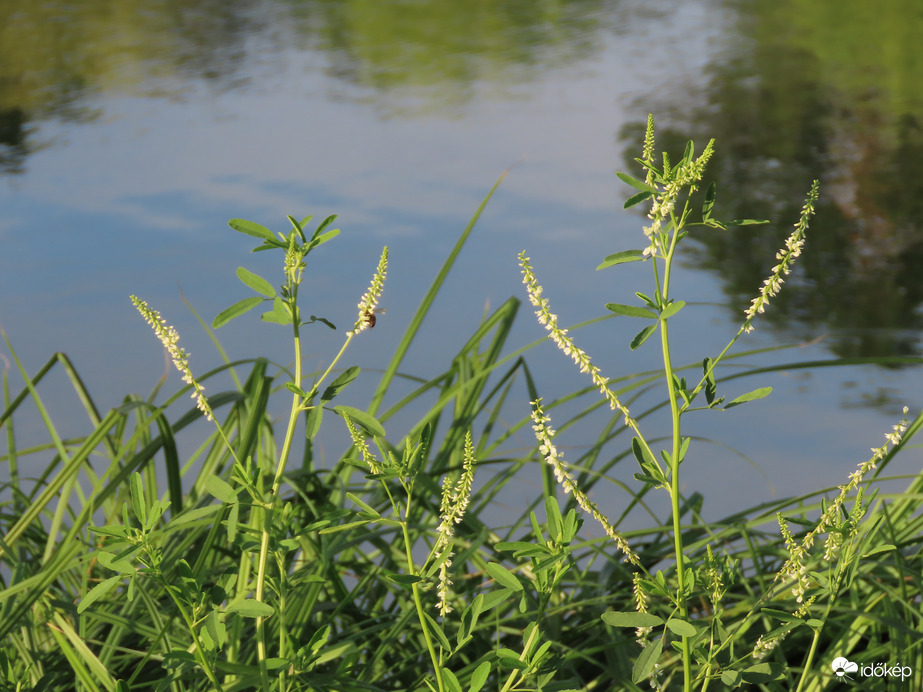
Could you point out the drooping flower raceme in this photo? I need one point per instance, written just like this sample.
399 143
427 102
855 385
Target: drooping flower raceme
559 335
544 433
786 256
170 339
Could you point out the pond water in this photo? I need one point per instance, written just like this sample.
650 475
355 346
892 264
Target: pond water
128 138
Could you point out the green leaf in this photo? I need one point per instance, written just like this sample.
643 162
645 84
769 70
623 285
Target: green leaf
711 388
637 184
750 396
312 421
642 336
630 310
452 684
216 629
137 498
363 505
631 618
647 480
101 590
192 515
636 199
340 383
731 678
672 309
323 224
437 630
318 639
279 314
655 304
746 222
510 659
405 579
314 319
645 662
320 240
641 454
298 227
783 615
344 527
295 389
681 627
886 548
621 258
120 564
495 598
250 228
365 420
516 545
236 310
251 608
711 194
256 282
503 576
763 673
233 517
220 489
554 519
479 677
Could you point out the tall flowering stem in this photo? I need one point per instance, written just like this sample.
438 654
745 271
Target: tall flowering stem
669 187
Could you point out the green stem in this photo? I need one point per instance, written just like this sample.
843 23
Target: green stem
527 647
269 508
199 651
674 470
418 602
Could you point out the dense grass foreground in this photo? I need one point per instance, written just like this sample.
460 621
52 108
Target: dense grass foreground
257 569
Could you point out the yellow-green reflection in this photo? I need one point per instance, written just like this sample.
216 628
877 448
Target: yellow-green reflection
825 90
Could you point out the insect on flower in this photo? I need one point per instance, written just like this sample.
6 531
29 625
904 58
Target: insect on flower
370 318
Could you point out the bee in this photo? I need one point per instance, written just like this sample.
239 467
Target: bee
370 318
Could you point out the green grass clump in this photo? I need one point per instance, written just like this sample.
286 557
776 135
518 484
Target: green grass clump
261 568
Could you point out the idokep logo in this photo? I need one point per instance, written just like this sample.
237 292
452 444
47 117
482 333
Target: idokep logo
841 668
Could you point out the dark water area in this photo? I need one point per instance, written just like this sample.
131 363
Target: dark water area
130 135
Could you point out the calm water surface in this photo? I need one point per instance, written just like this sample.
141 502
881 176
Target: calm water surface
128 139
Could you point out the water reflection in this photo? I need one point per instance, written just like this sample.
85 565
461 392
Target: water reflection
790 102
57 57
797 92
